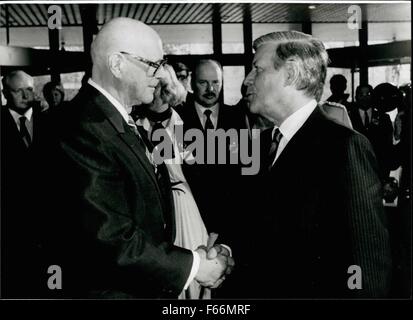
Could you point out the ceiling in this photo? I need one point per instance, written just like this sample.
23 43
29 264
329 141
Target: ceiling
27 15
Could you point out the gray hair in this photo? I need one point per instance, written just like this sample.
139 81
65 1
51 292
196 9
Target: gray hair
306 52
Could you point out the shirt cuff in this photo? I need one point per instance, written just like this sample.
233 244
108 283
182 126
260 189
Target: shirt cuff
229 249
194 270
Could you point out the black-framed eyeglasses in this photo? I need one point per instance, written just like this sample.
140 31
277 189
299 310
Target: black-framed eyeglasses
155 65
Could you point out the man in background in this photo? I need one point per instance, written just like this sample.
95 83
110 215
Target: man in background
338 86
21 123
375 125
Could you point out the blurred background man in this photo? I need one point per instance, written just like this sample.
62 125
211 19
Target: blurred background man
376 125
21 123
338 86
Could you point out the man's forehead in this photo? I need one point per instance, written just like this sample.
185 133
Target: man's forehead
265 51
21 81
209 70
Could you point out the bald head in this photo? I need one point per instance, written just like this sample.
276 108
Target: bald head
127 35
15 77
18 90
124 54
207 82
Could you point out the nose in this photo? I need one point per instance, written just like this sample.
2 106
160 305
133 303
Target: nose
210 87
248 79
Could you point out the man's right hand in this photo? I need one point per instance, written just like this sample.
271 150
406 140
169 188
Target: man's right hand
211 272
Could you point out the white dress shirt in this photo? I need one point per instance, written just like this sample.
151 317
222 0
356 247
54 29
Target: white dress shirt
292 124
29 120
363 115
122 110
202 117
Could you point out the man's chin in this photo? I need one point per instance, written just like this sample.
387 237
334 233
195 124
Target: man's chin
253 108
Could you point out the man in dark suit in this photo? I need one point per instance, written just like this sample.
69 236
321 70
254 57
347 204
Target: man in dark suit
113 226
322 225
20 124
213 184
338 85
375 125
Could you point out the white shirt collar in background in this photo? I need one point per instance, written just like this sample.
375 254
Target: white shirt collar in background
29 123
214 114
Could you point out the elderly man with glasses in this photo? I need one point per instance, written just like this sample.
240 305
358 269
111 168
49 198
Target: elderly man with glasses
115 231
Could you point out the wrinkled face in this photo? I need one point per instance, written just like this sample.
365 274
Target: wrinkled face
141 79
20 92
264 84
207 84
363 98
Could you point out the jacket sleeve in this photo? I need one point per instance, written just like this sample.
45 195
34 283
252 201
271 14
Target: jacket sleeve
366 217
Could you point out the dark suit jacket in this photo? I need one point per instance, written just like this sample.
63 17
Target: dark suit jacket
18 215
322 213
214 185
113 224
380 135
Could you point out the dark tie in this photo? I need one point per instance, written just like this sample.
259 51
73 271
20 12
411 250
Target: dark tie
208 122
24 132
366 119
134 127
158 126
276 138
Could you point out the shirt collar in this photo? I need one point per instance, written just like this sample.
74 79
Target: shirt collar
174 120
295 121
363 112
28 114
116 103
201 109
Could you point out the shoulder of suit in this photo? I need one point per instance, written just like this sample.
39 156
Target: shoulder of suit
330 127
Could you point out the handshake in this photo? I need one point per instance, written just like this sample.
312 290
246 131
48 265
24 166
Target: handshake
216 263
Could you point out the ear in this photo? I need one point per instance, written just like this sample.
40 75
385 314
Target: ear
291 72
116 64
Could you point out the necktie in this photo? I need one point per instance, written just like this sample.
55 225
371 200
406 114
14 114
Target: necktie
143 141
208 121
24 132
158 126
366 119
276 138
134 127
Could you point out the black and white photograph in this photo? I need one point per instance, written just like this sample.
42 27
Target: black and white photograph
205 150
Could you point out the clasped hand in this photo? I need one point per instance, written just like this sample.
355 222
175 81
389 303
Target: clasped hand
216 263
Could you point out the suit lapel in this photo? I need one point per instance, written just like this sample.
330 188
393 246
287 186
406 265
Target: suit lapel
191 118
11 130
357 122
221 117
303 142
125 133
